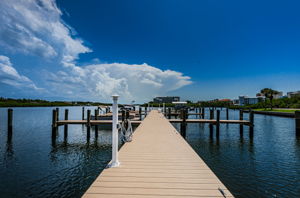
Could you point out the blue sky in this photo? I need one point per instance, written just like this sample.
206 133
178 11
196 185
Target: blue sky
199 50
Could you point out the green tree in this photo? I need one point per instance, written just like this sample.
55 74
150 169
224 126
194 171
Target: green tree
269 93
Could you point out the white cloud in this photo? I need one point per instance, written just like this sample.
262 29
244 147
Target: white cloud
35 27
10 76
131 82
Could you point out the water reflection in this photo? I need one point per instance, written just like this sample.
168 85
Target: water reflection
265 163
35 164
9 148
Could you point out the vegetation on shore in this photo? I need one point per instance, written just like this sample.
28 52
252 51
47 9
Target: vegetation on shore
277 110
277 103
10 102
262 106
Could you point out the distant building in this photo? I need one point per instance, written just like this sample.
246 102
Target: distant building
279 95
245 100
236 101
166 99
293 94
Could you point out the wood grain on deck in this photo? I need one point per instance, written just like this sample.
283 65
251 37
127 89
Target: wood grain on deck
157 163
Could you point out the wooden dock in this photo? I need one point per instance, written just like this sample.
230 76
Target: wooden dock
244 122
157 163
92 122
137 122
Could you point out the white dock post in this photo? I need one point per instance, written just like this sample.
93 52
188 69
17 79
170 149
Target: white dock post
115 162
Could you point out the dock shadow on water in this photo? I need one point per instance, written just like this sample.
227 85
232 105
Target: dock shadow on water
33 165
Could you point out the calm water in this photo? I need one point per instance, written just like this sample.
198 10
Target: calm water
31 166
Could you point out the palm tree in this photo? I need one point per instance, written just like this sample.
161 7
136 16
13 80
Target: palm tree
269 93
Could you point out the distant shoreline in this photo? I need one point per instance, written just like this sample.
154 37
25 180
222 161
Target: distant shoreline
276 113
10 102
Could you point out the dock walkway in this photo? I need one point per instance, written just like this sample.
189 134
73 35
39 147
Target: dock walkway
157 163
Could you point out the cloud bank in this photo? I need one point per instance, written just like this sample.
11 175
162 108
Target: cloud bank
35 28
132 82
10 76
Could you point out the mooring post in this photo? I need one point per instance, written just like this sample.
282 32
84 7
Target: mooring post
140 113
211 116
82 113
169 113
183 123
218 124
164 108
123 115
66 125
227 114
96 125
203 112
145 112
9 123
251 119
126 119
115 161
297 124
54 125
57 112
88 125
241 118
127 115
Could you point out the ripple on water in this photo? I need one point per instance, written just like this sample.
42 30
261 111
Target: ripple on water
31 166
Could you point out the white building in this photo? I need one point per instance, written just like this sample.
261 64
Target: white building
293 94
245 100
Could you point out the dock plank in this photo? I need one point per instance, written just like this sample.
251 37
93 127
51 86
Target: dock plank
157 163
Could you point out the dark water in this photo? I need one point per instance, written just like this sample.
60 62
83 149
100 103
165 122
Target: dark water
266 166
31 166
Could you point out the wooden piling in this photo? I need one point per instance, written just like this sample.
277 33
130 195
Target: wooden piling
227 114
82 113
96 118
183 123
126 119
140 113
9 123
241 118
146 111
127 115
251 126
88 122
123 115
211 116
66 125
169 113
297 122
57 112
218 124
54 125
203 112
